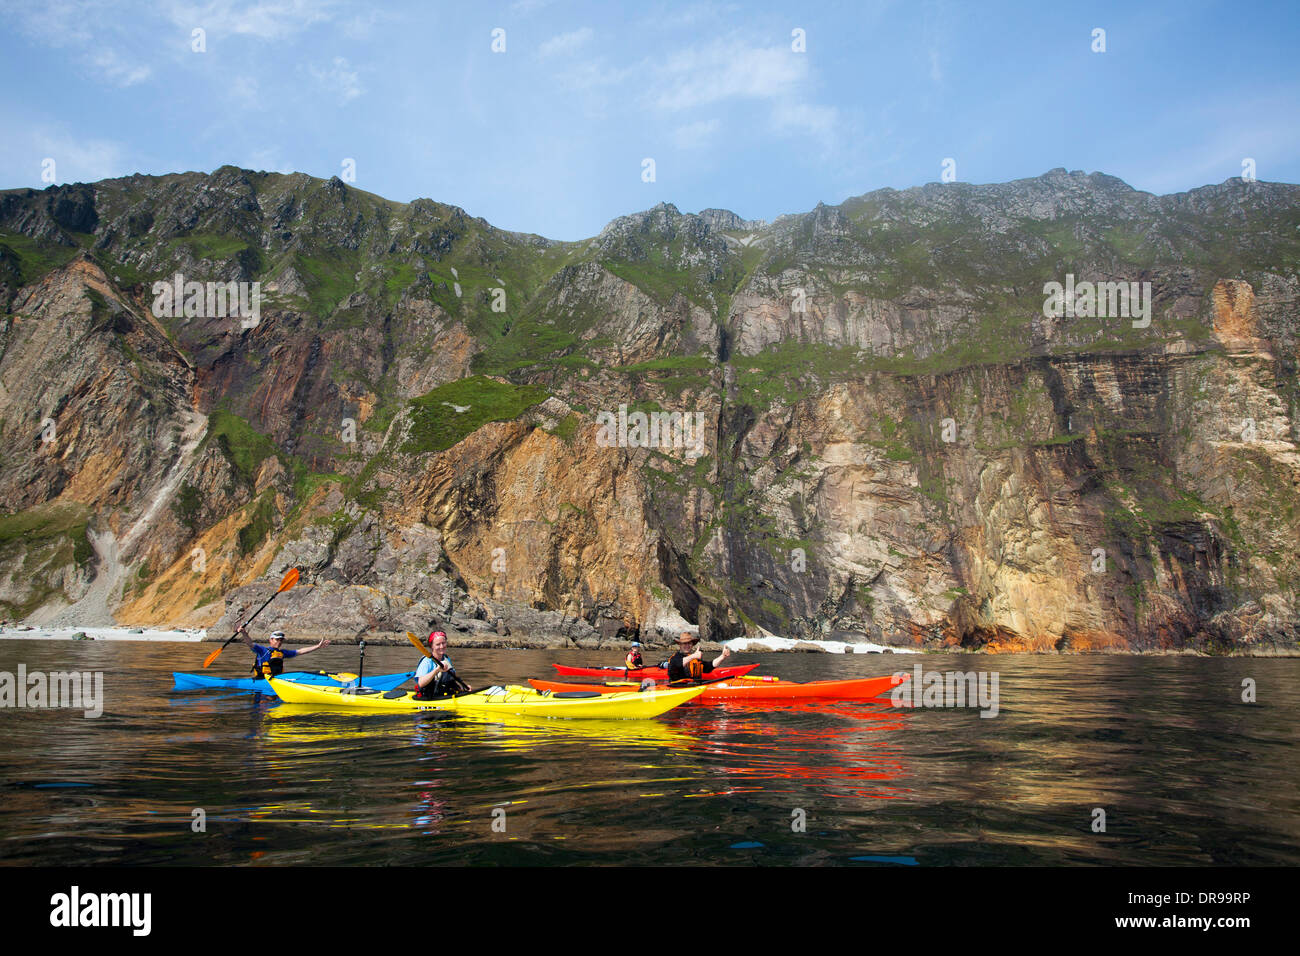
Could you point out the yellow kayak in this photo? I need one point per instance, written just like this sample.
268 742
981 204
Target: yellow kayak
500 700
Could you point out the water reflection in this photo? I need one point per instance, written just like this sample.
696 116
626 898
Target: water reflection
1187 771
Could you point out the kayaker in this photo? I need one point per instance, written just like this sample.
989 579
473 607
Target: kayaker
633 659
688 662
436 677
269 661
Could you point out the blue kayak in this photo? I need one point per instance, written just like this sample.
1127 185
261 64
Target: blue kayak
201 681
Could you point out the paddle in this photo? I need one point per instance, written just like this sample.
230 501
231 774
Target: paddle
289 580
419 644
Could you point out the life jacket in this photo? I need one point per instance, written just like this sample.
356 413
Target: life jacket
633 659
685 671
270 668
442 685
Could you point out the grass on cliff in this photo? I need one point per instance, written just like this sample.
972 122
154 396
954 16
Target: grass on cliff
35 258
58 523
49 537
243 446
209 246
261 522
436 425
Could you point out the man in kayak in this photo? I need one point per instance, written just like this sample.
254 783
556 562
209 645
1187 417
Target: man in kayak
269 661
435 677
688 662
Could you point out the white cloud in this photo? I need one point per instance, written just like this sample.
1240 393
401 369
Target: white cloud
732 69
593 75
117 70
339 78
566 43
265 19
92 31
56 23
722 70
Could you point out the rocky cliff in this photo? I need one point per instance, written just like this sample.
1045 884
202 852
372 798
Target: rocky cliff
1053 413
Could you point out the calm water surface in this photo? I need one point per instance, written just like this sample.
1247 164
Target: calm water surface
1185 771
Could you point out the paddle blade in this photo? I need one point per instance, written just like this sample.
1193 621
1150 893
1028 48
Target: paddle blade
214 655
416 641
289 580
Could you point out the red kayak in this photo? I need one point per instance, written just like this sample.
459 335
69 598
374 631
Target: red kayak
640 673
753 688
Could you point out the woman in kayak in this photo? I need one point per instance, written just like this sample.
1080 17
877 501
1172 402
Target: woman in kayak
269 661
688 662
435 677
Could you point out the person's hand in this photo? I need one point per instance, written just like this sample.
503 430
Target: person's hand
726 651
242 629
325 642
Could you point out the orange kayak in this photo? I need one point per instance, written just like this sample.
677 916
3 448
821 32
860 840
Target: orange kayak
751 688
641 673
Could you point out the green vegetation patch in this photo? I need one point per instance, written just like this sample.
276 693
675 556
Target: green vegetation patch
259 526
244 447
330 281
436 425
36 258
57 523
567 428
209 246
188 505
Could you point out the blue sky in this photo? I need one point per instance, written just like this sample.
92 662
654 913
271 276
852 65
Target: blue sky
550 135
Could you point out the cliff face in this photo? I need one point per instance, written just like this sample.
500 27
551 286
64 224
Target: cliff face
871 419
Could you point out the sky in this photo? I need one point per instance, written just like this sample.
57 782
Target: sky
555 117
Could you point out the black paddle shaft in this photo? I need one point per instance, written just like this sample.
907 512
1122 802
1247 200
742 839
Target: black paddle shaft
250 620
